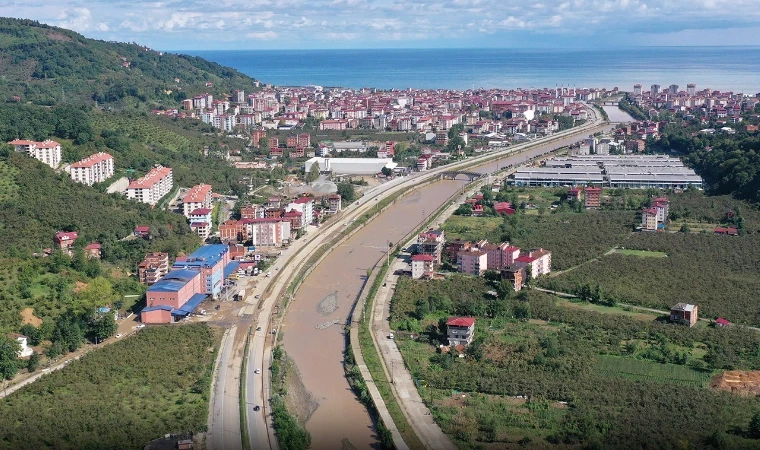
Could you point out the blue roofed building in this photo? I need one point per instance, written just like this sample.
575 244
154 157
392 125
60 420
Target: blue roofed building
210 261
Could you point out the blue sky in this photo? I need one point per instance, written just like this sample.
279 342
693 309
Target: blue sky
294 24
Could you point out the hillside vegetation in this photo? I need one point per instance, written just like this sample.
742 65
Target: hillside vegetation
120 397
49 65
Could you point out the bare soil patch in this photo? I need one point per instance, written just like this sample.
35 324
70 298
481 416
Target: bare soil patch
745 383
56 36
79 286
28 317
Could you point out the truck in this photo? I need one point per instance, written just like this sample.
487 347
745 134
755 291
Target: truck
241 294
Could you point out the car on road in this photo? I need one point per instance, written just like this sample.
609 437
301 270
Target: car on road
390 335
142 325
257 296
256 408
118 335
258 328
257 371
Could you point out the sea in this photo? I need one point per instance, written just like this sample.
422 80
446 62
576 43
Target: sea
734 69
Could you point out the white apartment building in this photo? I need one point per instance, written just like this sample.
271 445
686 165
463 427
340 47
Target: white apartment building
199 196
268 232
93 169
154 185
47 151
304 205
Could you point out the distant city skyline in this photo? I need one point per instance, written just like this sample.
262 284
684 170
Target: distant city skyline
340 24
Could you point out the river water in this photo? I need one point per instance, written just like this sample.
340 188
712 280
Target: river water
318 352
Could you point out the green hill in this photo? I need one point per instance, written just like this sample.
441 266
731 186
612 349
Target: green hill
48 65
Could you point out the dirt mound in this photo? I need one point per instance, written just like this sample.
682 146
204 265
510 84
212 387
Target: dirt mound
737 381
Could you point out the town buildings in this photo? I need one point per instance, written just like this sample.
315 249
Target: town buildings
95 168
173 297
151 187
201 222
460 331
269 232
334 202
304 205
685 314
473 262
350 166
593 197
47 151
539 261
198 196
655 217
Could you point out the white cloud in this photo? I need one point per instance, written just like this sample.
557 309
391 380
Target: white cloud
77 19
262 36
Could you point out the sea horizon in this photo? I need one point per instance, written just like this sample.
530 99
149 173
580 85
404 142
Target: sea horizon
723 68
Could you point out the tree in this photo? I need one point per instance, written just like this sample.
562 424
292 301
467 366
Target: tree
387 171
99 292
9 349
34 362
754 426
465 209
313 173
346 191
32 333
103 327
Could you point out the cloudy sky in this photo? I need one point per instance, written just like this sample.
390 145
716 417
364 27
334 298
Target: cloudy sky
293 24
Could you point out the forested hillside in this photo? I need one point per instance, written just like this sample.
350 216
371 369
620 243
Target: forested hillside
49 65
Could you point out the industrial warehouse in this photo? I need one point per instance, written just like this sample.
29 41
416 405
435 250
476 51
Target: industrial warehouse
617 171
350 166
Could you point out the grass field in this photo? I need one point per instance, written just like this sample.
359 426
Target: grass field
470 228
119 397
609 310
642 370
642 253
8 187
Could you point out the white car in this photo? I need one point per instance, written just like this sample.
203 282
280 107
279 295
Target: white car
257 371
142 325
118 335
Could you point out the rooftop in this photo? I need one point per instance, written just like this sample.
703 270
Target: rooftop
461 321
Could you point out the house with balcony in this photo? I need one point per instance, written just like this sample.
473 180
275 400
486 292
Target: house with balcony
422 265
153 267
473 262
431 242
460 330
64 241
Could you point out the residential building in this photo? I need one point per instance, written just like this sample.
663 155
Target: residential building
431 242
504 208
198 196
473 262
64 241
662 205
47 151
500 255
234 230
93 169
151 187
304 205
539 261
210 261
685 314
649 219
92 250
201 222
270 232
153 267
142 231
295 218
334 203
422 264
24 349
460 330
456 246
593 197
515 274
574 194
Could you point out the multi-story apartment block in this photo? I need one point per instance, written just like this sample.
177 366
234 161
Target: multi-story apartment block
649 219
200 222
431 242
473 262
422 264
593 197
252 211
198 196
47 151
153 267
93 169
334 204
272 232
151 187
500 256
304 205
539 261
662 205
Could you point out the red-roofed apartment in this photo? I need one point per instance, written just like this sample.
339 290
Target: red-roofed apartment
539 261
154 185
460 330
199 196
93 169
422 264
503 208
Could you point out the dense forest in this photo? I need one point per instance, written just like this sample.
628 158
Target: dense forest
48 65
